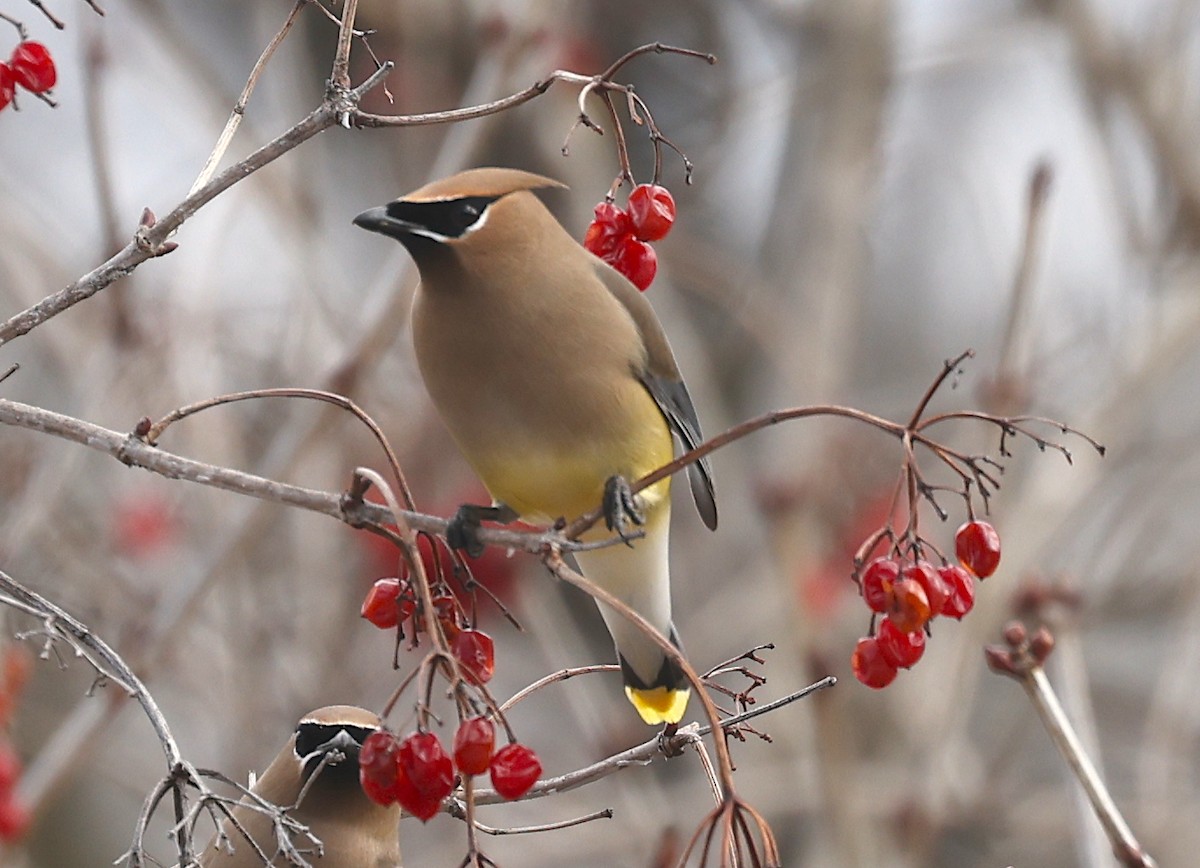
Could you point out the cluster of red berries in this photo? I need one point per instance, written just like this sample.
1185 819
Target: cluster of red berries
910 595
14 817
31 67
619 236
417 773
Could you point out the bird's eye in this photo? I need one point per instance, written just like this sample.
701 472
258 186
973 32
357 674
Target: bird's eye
467 213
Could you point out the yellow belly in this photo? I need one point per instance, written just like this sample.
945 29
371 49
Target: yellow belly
544 484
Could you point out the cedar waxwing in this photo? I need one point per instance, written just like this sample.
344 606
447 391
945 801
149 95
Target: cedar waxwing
556 381
355 832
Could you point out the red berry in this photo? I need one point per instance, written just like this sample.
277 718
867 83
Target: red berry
476 654
878 579
473 745
8 85
378 772
608 228
652 210
898 648
422 760
14 819
910 606
870 666
388 603
515 768
936 591
33 68
636 260
10 768
978 547
962 591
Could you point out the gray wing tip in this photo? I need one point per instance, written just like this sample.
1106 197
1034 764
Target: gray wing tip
703 493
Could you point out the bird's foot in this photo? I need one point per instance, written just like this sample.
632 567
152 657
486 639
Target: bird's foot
621 507
668 743
463 530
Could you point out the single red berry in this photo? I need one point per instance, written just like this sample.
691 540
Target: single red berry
378 772
870 666
652 210
878 580
476 654
636 260
33 67
610 225
14 819
473 745
422 760
910 606
8 85
900 649
936 590
962 591
978 547
388 603
10 767
515 768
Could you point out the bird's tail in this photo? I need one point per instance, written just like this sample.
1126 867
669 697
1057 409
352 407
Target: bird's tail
639 575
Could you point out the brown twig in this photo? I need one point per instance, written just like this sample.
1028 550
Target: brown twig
239 108
1023 660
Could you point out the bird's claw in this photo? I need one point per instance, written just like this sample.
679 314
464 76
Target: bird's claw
463 530
621 507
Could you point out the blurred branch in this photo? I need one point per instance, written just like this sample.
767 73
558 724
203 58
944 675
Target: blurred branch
58 625
1113 67
1023 660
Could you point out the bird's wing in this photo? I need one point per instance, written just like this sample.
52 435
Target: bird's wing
665 384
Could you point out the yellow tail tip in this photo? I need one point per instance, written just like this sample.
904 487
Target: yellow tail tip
660 704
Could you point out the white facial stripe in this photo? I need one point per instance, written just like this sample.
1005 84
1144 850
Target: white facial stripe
478 224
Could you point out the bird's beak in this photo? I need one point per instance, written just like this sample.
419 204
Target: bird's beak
378 220
339 749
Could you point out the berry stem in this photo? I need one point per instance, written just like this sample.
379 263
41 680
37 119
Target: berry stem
1045 701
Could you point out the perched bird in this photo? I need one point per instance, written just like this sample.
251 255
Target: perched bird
354 831
554 377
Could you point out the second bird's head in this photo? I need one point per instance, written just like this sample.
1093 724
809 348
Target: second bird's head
476 210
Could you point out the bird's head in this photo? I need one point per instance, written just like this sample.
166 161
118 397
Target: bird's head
329 739
474 212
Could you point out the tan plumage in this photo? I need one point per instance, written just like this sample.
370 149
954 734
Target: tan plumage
355 832
553 375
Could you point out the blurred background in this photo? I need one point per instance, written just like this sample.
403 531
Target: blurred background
860 212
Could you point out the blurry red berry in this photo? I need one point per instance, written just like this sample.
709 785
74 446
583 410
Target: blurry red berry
14 818
388 603
652 211
898 648
978 547
637 261
515 768
378 772
473 745
910 606
878 580
8 85
476 654
10 768
870 666
962 591
610 225
936 591
429 769
32 67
